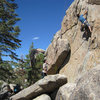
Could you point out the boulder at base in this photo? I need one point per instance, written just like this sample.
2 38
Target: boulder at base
46 85
43 97
65 91
88 86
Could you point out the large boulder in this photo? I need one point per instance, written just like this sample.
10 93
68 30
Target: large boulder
57 53
65 91
85 48
88 86
72 51
40 51
46 85
43 97
5 91
5 87
82 46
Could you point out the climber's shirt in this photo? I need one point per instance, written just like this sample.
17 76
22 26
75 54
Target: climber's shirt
44 68
82 19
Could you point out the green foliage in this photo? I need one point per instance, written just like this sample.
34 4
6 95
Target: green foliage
9 41
6 71
34 65
27 71
31 48
37 69
8 31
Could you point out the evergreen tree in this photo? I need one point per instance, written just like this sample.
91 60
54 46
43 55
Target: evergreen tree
30 68
6 72
24 70
33 63
31 48
8 31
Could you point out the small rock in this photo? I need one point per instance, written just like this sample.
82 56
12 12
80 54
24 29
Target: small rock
43 97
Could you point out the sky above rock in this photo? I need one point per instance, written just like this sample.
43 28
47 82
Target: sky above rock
40 20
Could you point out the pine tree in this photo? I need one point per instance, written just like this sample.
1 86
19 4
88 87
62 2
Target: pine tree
8 31
24 70
6 72
33 63
31 68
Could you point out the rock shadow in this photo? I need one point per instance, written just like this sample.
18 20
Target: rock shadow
65 61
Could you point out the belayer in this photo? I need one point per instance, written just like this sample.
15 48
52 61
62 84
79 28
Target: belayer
17 88
84 21
44 71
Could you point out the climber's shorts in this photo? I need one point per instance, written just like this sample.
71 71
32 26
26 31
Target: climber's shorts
86 23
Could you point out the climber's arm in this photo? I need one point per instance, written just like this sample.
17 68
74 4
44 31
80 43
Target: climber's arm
85 13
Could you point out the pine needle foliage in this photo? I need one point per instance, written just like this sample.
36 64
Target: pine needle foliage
9 41
32 66
9 32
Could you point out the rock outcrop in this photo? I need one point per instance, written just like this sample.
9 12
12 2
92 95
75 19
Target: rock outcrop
5 91
40 51
46 85
57 53
88 86
65 91
84 46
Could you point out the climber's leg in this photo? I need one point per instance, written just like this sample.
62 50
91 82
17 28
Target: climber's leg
90 28
82 27
86 23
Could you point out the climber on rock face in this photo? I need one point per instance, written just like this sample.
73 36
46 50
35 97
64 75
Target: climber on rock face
84 21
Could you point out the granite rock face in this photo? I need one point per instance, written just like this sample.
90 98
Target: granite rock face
84 46
57 53
65 91
88 86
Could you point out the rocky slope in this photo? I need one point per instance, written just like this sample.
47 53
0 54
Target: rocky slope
55 87
46 85
73 52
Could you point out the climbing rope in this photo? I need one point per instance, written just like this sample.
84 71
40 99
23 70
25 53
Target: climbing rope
78 47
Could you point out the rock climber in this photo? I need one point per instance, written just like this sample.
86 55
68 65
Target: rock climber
84 21
17 88
44 71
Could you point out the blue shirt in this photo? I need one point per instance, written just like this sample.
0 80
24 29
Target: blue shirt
82 19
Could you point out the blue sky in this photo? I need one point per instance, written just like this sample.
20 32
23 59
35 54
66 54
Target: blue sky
40 20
